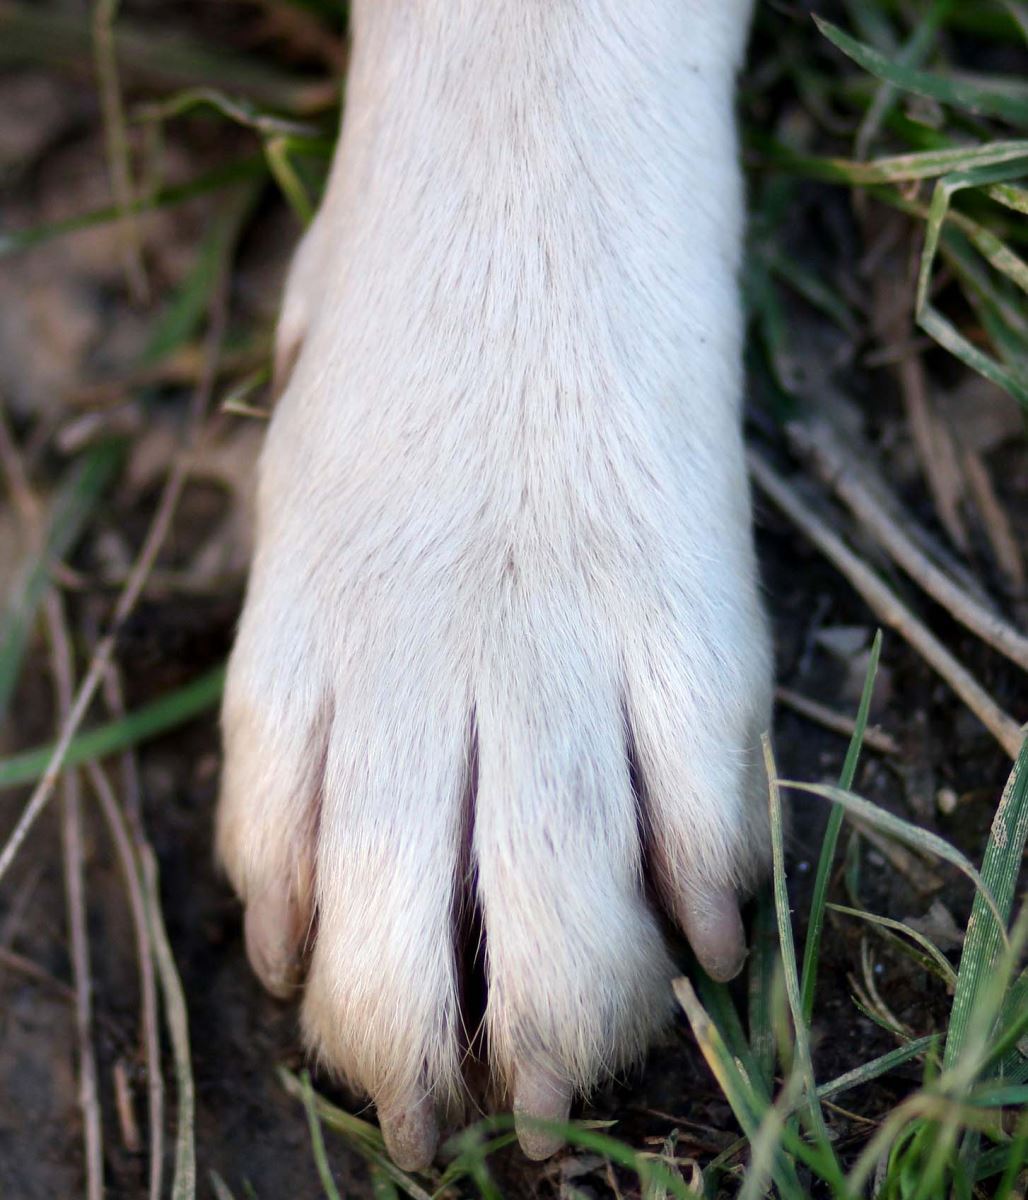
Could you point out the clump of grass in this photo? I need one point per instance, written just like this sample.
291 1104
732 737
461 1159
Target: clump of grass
955 155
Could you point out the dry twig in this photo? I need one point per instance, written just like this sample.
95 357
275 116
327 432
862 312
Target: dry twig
879 513
887 606
105 57
131 872
74 883
1001 537
133 816
134 585
874 739
184 1182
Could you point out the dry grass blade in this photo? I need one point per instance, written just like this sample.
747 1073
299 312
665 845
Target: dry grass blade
144 953
879 513
74 882
156 535
935 450
183 1185
104 13
830 718
1005 546
887 606
148 982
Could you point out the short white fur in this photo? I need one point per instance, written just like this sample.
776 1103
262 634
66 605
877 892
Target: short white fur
504 547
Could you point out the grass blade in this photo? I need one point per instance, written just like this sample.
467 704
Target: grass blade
362 1136
77 496
996 253
183 1186
188 306
171 711
942 964
1009 104
328 1184
1004 855
904 831
788 953
761 982
815 925
749 1108
236 172
60 38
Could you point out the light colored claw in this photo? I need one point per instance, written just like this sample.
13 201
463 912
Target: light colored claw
711 922
275 930
411 1133
540 1095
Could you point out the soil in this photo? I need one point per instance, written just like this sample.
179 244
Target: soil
65 323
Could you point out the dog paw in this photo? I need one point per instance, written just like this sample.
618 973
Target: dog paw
495 703
433 710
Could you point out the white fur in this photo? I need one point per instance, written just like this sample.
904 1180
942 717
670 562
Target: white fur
503 527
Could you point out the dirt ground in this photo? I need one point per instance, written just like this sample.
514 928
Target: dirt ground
70 344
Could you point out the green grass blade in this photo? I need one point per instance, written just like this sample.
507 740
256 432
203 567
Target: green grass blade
717 1001
328 1184
1004 855
382 1187
943 967
1010 1049
910 55
760 985
171 711
875 1068
361 1136
898 168
811 287
77 496
904 831
1019 12
1014 1160
788 952
235 108
765 1145
943 331
978 284
815 925
1008 104
1010 196
991 247
187 308
276 150
865 1073
240 171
